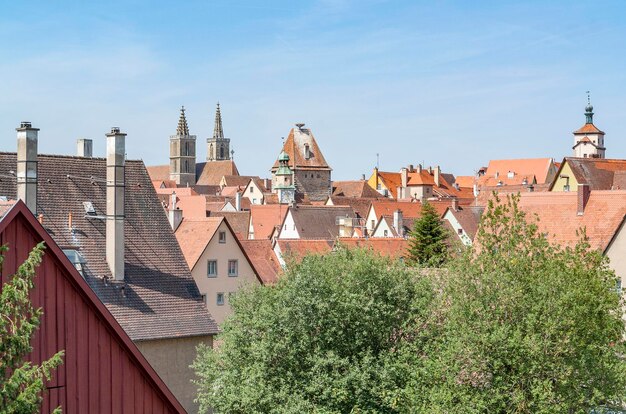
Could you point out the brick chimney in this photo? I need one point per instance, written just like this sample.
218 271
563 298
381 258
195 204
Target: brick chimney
84 147
116 148
583 197
174 214
27 165
398 222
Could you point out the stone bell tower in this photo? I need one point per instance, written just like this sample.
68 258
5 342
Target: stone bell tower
218 147
183 154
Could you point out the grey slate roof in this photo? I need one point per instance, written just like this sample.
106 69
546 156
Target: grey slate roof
160 298
319 222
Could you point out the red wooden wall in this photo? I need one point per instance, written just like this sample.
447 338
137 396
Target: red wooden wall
103 372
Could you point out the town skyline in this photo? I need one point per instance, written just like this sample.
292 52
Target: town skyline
491 82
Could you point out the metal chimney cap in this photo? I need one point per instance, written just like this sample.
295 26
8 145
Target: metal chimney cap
115 130
26 124
300 125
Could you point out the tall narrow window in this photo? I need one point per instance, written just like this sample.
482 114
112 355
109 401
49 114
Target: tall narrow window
211 268
220 299
221 152
233 268
222 237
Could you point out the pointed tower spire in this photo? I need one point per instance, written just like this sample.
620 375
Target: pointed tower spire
218 131
589 110
182 129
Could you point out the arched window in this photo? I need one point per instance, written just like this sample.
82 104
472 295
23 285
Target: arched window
221 152
211 151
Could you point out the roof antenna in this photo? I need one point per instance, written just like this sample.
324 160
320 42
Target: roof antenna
588 98
377 160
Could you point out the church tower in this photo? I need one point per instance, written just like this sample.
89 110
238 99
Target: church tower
218 146
183 154
589 140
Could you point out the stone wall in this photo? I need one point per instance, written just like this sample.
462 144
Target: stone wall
315 184
171 358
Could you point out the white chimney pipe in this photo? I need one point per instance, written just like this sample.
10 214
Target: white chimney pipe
174 214
116 148
238 201
84 147
398 222
27 165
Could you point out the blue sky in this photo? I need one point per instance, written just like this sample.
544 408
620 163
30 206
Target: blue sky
439 82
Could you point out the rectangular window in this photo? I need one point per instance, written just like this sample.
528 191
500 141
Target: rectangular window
233 268
222 237
373 223
211 270
385 233
460 231
220 299
251 189
204 298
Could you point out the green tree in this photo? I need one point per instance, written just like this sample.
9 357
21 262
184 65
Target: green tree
428 239
323 339
21 382
526 326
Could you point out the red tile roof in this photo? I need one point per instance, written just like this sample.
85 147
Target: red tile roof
409 209
296 249
238 220
159 172
599 173
588 129
557 213
541 169
263 259
295 147
212 172
361 206
194 235
319 222
391 180
265 218
388 247
359 188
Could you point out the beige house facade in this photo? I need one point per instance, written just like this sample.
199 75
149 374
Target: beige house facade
218 262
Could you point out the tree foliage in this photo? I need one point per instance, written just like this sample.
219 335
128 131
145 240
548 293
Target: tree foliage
21 382
527 327
428 239
514 325
322 339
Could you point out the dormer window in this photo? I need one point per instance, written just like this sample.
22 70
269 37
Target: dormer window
307 151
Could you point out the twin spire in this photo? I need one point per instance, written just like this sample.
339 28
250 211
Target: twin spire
183 128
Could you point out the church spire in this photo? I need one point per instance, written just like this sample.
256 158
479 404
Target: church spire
182 129
218 131
588 110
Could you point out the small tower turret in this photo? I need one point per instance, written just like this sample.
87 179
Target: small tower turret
183 154
589 140
284 180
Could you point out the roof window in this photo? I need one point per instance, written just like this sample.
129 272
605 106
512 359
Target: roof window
77 259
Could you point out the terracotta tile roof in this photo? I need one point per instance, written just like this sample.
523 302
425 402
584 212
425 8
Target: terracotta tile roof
159 172
486 193
160 299
407 225
361 206
263 259
542 169
466 181
409 209
230 191
296 249
319 222
588 129
164 184
207 189
193 207
420 178
270 198
599 173
265 218
183 191
194 235
295 147
388 247
239 221
358 188
469 218
210 173
557 213
391 180
238 180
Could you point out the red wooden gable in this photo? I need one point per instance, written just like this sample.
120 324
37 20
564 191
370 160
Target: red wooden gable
103 371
